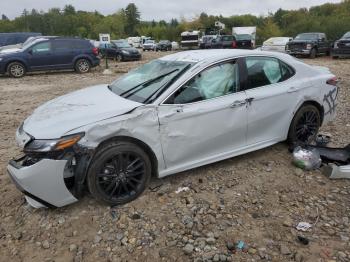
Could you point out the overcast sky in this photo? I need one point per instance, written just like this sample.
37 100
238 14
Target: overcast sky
163 9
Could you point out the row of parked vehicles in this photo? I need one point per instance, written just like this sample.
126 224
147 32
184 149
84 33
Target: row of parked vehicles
305 44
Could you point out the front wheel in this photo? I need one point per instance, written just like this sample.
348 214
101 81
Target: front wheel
82 66
16 69
305 125
119 173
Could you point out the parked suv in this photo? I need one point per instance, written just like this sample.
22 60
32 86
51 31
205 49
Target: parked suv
341 47
224 41
50 54
309 44
164 45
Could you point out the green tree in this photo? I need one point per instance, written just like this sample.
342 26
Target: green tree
132 18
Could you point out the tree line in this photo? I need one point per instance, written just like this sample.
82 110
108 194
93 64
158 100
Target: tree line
332 19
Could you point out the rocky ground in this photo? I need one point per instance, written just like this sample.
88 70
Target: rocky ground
257 199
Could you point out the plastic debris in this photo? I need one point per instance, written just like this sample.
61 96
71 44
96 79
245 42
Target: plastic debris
182 189
323 139
307 159
240 245
303 226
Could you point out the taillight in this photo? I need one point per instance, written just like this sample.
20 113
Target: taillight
333 81
234 44
95 51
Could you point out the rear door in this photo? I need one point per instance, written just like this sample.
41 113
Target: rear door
272 96
64 51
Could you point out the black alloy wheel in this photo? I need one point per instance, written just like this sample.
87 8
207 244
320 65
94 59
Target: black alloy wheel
119 173
305 125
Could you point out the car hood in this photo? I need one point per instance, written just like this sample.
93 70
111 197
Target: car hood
130 49
10 50
302 41
59 116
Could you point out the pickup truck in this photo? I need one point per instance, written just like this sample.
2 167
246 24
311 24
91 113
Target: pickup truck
341 47
309 44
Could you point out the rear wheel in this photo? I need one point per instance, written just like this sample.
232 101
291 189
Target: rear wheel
16 69
119 173
82 66
305 125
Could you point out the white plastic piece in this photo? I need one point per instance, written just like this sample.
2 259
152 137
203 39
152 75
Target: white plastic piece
303 226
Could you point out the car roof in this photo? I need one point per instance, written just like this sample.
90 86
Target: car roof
218 54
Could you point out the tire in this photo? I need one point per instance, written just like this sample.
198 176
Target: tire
111 180
305 125
313 53
82 66
119 58
16 69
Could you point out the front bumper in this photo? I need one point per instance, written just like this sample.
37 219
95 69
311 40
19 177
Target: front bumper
2 68
342 52
131 57
42 183
299 52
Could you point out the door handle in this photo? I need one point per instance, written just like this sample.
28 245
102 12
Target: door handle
249 100
238 103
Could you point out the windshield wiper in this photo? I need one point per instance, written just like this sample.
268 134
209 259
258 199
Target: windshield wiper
156 93
143 85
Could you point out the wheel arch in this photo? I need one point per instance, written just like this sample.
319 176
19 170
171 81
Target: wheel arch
18 61
141 144
316 104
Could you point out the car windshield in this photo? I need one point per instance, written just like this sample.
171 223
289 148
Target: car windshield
147 82
122 44
244 37
307 37
347 35
31 42
149 42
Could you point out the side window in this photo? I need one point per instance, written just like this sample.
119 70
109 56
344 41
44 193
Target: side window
41 48
62 44
264 71
287 71
216 81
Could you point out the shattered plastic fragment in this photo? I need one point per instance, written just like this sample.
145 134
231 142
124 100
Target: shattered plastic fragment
181 189
303 226
240 245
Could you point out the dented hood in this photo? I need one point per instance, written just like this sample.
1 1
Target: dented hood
65 113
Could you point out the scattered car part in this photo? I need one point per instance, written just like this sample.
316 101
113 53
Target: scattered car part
334 171
306 159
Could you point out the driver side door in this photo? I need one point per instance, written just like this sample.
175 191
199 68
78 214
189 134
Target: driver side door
205 120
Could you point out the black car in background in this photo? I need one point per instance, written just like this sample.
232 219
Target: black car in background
15 38
119 50
244 41
224 41
52 53
309 44
341 47
163 45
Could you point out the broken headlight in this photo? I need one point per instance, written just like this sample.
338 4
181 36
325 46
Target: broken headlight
48 145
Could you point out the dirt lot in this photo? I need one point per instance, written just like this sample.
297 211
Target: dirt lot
257 198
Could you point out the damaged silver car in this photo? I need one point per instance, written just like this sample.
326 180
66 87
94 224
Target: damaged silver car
172 114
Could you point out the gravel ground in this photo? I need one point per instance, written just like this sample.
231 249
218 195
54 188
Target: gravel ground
257 198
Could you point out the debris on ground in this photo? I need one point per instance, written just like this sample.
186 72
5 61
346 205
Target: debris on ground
303 226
